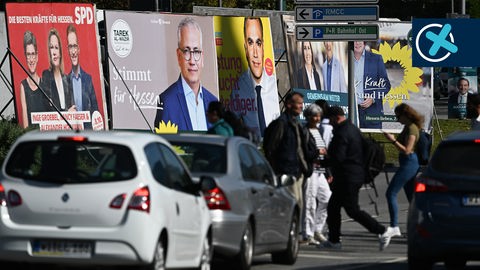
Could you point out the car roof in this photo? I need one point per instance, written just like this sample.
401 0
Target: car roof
110 136
463 136
202 138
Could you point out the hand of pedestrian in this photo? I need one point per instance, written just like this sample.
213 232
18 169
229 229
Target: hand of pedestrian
389 136
330 179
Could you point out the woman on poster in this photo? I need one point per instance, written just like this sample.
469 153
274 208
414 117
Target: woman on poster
307 75
31 97
54 81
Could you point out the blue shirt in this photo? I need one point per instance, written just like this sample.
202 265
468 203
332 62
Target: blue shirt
77 89
359 69
196 111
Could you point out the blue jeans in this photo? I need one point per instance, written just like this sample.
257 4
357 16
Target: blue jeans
404 177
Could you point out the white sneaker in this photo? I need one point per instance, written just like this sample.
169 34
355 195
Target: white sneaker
396 231
393 231
312 242
385 238
320 237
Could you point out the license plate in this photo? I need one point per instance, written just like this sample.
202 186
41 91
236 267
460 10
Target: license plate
471 200
62 248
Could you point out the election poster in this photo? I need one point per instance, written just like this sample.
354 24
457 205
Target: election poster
383 75
246 69
56 71
162 71
462 83
318 69
408 84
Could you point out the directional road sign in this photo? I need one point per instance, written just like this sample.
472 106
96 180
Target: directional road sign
336 2
347 32
336 13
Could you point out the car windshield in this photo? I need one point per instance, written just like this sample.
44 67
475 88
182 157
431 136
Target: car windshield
71 162
457 158
202 157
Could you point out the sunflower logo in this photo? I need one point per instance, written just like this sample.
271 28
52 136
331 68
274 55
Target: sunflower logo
167 128
411 75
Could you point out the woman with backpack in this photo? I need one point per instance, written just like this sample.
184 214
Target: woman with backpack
405 143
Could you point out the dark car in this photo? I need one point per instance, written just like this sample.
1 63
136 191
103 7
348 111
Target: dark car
444 216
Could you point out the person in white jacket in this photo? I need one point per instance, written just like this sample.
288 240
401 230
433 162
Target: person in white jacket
316 189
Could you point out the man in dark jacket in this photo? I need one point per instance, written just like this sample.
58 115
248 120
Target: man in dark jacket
285 146
346 156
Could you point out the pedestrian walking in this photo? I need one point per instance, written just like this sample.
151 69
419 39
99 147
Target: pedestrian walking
316 189
285 145
215 114
405 143
346 160
325 128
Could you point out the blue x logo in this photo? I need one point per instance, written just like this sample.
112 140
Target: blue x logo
440 41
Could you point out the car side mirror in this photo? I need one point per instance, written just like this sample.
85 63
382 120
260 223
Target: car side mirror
207 183
286 179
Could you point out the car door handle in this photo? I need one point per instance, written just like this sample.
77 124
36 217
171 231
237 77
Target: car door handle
253 190
177 208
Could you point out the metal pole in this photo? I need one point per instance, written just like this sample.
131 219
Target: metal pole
463 7
351 84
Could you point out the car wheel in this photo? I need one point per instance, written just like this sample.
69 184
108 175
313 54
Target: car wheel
207 253
244 257
289 256
455 264
158 262
419 263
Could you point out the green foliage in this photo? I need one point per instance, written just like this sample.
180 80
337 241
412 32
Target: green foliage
9 132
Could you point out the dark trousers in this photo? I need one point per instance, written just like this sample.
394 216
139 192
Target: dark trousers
345 194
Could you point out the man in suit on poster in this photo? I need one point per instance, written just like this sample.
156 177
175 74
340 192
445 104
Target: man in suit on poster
80 81
185 102
457 102
371 84
332 71
256 86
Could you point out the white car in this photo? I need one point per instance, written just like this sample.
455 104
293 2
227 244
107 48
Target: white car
102 198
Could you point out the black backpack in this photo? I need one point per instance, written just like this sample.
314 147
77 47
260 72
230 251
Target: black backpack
423 147
373 158
271 138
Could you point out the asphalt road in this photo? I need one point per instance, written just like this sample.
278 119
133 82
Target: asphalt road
360 249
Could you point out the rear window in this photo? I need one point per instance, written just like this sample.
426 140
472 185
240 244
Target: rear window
202 157
457 158
71 162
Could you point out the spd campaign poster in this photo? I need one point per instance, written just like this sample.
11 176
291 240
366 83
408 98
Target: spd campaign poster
161 79
246 69
54 49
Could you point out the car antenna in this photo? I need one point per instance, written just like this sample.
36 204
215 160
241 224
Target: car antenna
41 90
129 92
